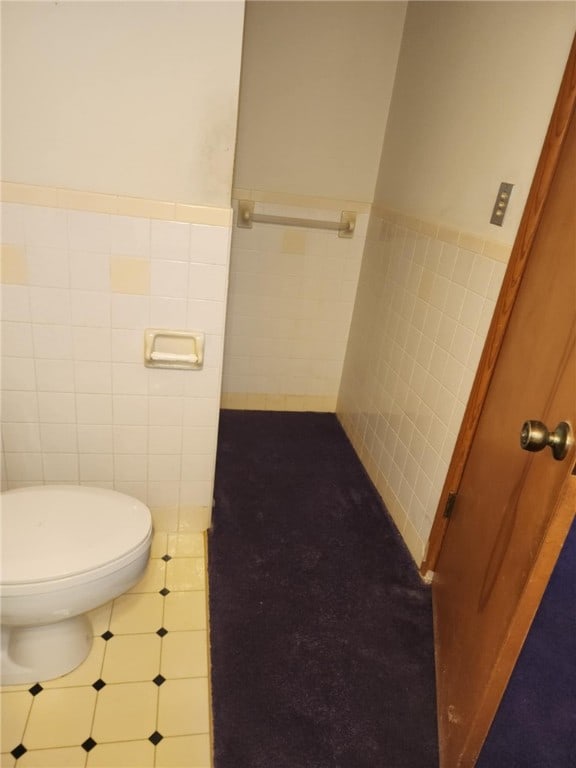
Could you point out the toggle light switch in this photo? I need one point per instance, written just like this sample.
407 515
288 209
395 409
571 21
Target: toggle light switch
501 203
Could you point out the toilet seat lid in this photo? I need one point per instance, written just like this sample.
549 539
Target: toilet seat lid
54 531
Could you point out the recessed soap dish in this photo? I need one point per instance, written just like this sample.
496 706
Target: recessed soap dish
182 350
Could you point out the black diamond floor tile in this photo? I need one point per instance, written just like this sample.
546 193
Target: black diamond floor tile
88 744
155 738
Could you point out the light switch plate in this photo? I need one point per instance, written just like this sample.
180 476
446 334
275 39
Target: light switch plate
501 204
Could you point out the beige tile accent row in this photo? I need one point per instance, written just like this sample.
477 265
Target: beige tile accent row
471 242
304 201
266 402
95 202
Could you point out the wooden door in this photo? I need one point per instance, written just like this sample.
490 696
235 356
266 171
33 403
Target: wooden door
513 508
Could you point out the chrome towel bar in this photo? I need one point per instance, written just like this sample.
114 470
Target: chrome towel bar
246 216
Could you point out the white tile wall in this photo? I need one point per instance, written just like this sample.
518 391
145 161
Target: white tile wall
290 302
422 313
78 405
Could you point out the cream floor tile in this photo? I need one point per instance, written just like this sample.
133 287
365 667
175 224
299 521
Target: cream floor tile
185 611
153 579
183 707
67 757
184 654
184 573
122 754
6 760
13 688
159 544
61 717
100 618
186 544
184 752
16 706
131 658
192 520
125 712
132 614
87 673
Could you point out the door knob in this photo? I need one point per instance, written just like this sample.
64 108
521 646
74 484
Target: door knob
535 436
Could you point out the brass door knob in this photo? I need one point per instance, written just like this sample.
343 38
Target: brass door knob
535 436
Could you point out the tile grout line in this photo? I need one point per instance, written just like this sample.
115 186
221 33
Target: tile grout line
165 576
98 699
101 670
25 724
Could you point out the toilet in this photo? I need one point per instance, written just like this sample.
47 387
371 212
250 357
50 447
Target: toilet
65 550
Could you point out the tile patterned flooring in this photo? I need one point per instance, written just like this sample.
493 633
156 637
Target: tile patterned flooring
141 699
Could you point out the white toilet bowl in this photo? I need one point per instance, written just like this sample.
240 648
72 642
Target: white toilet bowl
65 550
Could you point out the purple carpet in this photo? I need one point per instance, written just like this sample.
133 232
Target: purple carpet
321 629
535 726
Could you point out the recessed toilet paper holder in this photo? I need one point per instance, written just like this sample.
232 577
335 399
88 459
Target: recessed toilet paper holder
182 350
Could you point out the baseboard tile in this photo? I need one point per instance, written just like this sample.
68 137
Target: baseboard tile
249 401
181 519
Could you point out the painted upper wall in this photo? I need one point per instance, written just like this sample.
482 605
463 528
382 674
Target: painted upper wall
474 92
316 84
136 99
